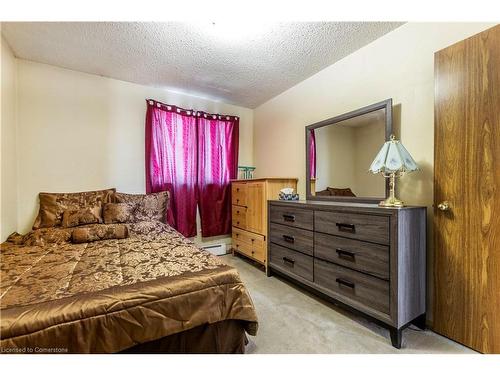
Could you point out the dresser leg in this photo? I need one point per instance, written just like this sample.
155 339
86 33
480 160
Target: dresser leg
268 271
396 337
419 322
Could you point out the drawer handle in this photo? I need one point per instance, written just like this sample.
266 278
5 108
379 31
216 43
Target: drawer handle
290 218
345 283
289 261
348 255
237 234
237 189
238 212
289 239
343 227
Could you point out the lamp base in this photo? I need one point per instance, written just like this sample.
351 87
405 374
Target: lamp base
391 202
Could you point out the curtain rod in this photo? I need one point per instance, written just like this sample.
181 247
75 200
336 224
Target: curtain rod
188 111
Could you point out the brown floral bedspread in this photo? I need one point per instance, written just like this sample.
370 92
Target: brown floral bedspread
106 296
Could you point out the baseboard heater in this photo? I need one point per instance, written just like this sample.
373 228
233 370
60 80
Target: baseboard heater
220 249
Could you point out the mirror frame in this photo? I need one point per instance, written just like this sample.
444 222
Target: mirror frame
387 105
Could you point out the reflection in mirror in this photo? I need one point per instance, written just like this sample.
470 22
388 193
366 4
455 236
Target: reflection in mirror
341 153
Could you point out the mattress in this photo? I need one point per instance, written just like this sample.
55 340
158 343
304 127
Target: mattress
110 295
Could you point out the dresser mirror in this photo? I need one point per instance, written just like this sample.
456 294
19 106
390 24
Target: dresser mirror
340 150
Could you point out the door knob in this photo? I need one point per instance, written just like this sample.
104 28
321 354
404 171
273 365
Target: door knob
444 206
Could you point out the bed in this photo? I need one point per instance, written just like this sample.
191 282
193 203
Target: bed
153 291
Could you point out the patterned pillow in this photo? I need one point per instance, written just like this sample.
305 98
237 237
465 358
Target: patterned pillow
118 213
323 193
99 232
148 207
52 205
346 192
82 216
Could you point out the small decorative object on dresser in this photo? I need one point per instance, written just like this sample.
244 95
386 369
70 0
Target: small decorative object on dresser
245 173
364 257
287 194
393 160
249 214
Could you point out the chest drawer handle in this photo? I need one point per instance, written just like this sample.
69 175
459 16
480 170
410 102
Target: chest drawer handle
290 218
348 255
289 261
289 239
343 227
345 283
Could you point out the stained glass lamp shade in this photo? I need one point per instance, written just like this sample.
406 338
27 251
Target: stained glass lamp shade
392 161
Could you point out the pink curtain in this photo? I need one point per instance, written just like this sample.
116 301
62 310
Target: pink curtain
217 165
312 153
171 162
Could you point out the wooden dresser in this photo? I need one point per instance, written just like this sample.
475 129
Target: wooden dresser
249 214
365 257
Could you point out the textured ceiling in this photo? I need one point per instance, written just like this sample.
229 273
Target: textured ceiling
242 64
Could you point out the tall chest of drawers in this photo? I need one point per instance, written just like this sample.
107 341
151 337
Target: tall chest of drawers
369 259
249 214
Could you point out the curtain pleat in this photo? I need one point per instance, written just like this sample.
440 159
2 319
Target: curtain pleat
312 154
218 138
171 162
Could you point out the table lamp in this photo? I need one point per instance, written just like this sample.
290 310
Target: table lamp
393 160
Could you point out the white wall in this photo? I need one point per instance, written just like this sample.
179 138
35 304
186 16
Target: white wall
367 143
9 185
399 65
78 132
334 157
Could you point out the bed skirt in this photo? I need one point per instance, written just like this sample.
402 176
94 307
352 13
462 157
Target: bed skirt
225 337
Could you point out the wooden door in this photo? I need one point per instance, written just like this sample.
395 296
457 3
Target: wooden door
467 176
255 207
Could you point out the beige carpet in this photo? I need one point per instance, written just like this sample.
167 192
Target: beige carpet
294 321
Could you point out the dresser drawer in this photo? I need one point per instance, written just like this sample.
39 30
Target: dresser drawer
255 251
239 194
291 261
239 216
368 290
242 247
259 253
363 256
250 238
365 227
297 239
295 217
